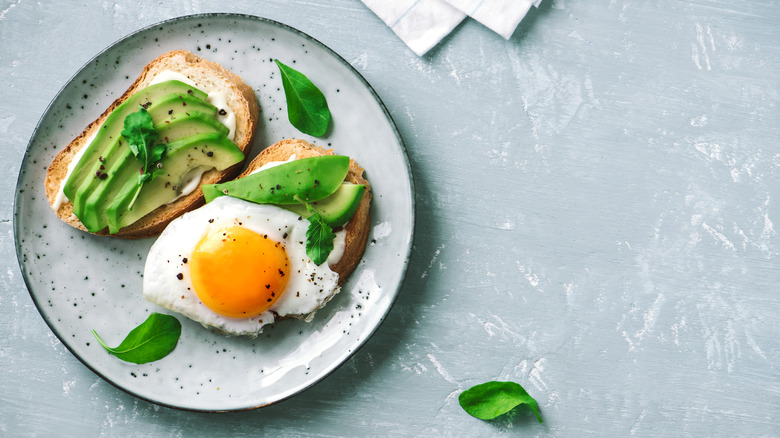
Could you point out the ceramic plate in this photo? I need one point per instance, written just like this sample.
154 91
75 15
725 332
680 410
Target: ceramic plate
81 282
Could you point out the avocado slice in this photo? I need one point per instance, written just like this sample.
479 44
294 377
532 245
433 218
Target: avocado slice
338 208
194 123
114 124
124 167
307 179
212 150
170 107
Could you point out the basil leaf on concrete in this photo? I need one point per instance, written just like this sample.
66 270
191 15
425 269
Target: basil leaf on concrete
489 400
150 341
307 108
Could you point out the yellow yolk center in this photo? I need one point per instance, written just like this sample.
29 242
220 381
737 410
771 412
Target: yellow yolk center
239 273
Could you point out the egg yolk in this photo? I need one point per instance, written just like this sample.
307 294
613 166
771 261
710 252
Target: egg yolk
239 273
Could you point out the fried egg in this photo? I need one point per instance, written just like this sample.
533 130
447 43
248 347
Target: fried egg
238 266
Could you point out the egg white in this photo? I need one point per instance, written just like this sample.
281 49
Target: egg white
308 288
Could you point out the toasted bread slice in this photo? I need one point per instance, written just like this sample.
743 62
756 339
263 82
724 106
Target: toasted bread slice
207 75
357 228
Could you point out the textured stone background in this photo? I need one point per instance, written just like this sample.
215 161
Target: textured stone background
596 205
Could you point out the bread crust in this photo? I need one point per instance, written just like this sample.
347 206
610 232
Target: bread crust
241 99
358 226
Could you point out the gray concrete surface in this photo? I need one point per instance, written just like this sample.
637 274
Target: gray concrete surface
596 200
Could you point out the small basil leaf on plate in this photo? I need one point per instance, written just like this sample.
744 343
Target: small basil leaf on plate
307 108
150 341
489 400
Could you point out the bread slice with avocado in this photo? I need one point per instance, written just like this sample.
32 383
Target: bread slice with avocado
208 127
358 227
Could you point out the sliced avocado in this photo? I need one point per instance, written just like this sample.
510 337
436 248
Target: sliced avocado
104 168
114 124
162 103
168 108
212 150
174 119
338 208
211 192
122 168
195 123
307 179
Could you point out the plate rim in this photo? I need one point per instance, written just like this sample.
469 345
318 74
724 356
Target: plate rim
211 15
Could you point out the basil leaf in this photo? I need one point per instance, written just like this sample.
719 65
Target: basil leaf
140 135
319 238
307 108
489 400
150 341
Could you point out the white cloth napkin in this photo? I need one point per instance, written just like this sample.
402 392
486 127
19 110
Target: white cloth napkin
421 24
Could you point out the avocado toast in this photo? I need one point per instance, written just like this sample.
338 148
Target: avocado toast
96 171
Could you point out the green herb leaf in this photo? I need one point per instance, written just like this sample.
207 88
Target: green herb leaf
150 341
140 135
489 400
307 108
319 238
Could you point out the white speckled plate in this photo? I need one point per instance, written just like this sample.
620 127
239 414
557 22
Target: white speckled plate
81 282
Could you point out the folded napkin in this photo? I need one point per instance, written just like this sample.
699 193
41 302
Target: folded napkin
421 24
